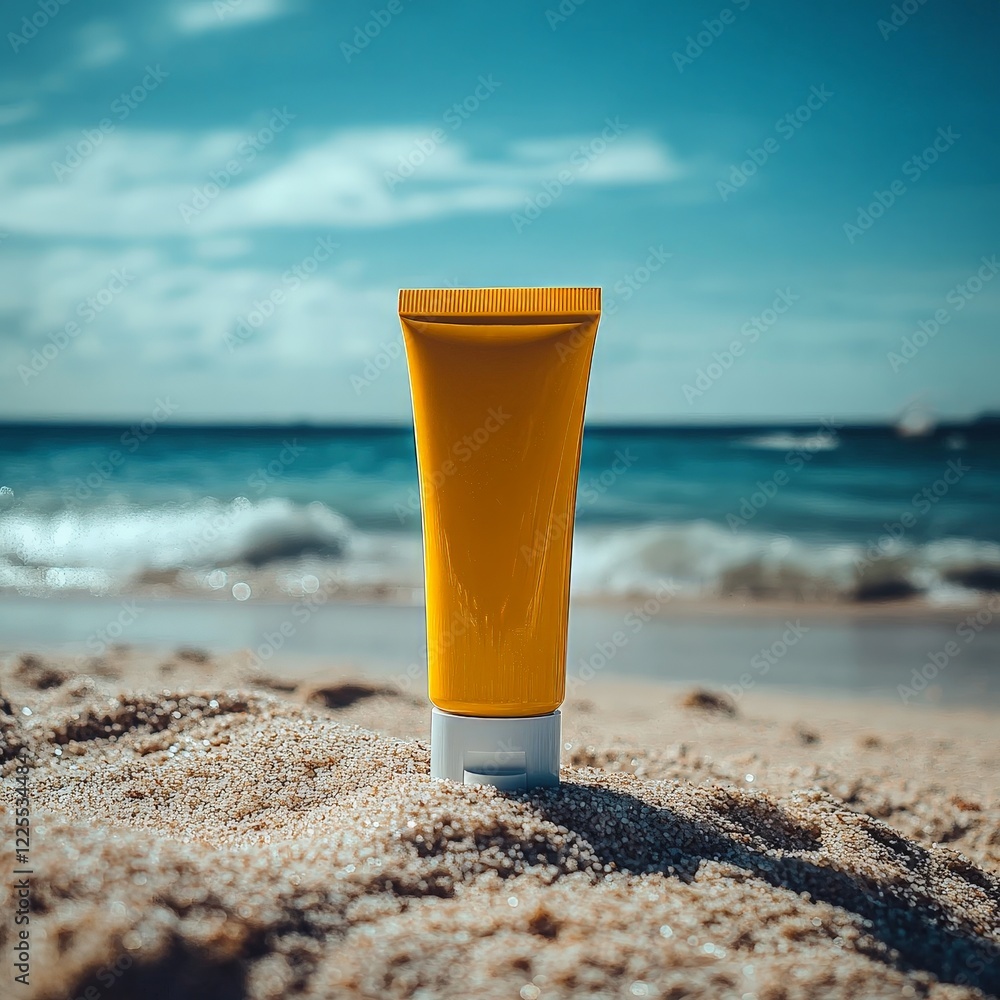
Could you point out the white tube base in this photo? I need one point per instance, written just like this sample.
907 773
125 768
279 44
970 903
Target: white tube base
510 753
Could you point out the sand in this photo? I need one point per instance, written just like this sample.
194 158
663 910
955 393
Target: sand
201 830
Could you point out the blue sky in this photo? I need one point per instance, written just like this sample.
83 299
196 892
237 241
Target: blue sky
173 171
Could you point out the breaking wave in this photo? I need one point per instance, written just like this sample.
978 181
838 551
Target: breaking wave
110 548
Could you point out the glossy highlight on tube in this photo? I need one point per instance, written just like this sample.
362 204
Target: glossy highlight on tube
499 381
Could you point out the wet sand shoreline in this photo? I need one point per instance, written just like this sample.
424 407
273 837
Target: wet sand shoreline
868 652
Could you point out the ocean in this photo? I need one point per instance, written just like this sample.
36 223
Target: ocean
818 513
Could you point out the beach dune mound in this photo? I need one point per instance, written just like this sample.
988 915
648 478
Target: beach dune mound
231 844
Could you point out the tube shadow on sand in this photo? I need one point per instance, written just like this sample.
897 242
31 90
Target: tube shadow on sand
181 974
905 914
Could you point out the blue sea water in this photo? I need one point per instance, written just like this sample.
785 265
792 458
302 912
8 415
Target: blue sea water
822 512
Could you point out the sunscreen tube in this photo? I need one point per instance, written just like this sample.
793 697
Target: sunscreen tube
499 384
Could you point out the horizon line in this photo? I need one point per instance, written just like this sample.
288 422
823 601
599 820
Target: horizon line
986 418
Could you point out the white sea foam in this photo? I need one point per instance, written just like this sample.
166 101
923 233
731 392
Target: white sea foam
107 549
123 542
785 441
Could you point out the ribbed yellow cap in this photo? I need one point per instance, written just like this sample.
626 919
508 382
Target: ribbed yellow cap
428 303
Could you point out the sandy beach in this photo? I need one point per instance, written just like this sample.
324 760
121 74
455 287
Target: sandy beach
347 362
200 827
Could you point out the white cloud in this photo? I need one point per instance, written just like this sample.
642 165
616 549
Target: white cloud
168 329
165 334
209 15
11 114
635 157
136 183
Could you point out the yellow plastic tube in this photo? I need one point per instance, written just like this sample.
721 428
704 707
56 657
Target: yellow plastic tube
499 383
